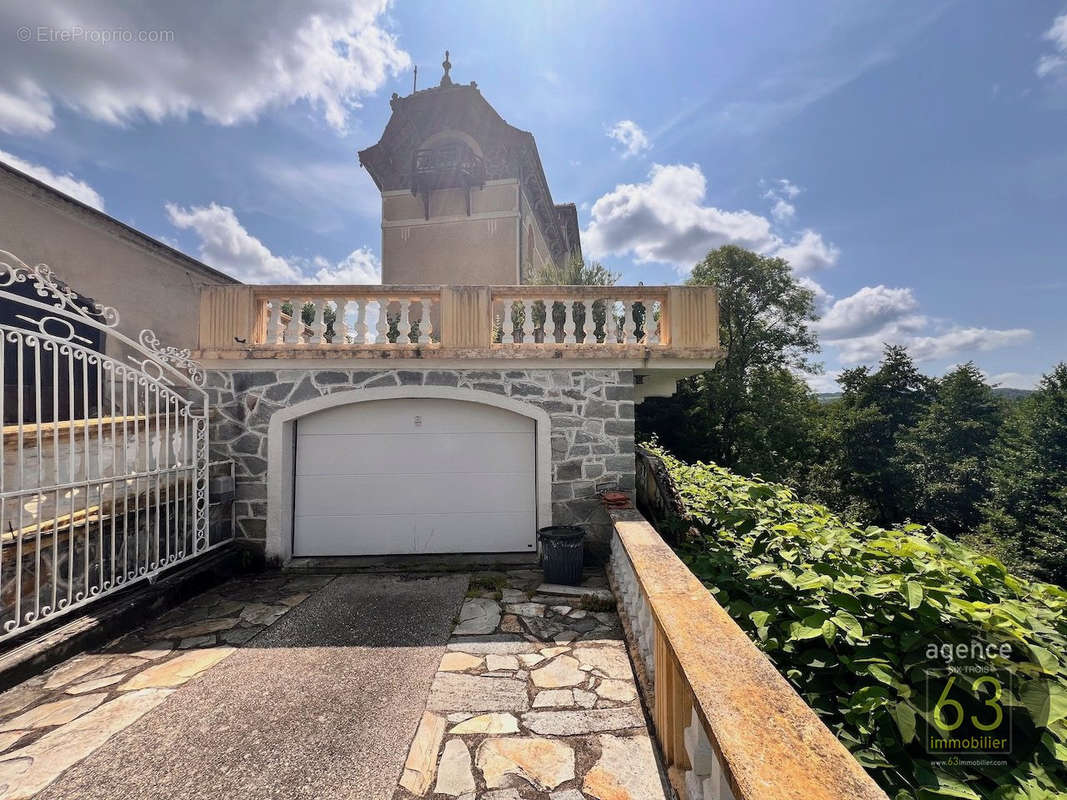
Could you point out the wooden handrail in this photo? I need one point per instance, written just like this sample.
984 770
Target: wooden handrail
728 724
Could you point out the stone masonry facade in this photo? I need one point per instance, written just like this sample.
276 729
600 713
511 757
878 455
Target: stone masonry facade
591 411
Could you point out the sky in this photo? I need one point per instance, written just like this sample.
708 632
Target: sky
908 159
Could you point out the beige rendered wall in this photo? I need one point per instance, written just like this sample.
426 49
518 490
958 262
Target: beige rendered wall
538 255
452 248
146 287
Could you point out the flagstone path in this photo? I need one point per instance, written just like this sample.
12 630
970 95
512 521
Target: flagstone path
534 700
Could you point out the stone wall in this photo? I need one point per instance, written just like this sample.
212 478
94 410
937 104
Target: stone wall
592 413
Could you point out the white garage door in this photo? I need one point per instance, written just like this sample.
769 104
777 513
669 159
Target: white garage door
414 476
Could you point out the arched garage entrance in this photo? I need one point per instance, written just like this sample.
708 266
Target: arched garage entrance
407 470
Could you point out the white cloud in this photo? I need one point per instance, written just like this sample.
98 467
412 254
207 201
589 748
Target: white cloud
961 340
823 299
867 311
230 64
860 325
1015 380
809 252
359 266
629 134
25 108
67 184
782 192
666 219
1055 64
226 245
783 211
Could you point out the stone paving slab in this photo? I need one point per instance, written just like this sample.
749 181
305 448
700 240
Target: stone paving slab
542 706
322 704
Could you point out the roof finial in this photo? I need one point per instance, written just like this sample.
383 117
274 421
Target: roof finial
445 79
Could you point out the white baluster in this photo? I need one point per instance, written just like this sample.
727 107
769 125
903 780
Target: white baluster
382 328
295 329
318 321
528 322
340 329
275 329
361 321
627 328
403 335
652 321
507 323
697 746
568 321
424 321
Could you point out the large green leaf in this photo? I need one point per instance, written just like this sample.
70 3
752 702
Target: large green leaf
913 591
849 616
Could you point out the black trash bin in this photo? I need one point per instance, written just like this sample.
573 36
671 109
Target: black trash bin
562 553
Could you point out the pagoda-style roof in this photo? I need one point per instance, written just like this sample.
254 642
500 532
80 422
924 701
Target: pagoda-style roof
505 152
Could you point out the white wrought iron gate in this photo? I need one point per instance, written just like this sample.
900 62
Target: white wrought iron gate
105 441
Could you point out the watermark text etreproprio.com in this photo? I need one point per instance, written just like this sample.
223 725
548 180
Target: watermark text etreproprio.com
78 34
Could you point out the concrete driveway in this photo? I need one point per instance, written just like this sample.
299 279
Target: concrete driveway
352 686
321 699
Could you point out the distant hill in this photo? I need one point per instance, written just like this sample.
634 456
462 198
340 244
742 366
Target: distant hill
1011 394
1001 391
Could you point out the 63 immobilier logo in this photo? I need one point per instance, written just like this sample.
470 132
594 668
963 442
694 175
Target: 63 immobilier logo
971 696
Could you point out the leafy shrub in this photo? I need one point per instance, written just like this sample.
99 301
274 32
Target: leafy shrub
849 616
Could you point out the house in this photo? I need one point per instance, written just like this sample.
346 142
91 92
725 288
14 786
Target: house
452 409
152 284
464 195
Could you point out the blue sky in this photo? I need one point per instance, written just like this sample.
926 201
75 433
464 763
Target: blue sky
910 159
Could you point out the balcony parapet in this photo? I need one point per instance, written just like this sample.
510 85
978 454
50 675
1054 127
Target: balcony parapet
673 324
728 724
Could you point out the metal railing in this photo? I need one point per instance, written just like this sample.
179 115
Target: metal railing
104 478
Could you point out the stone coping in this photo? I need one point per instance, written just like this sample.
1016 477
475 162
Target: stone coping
64 428
771 743
552 355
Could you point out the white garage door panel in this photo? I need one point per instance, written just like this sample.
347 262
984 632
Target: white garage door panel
355 495
414 476
433 533
397 416
434 453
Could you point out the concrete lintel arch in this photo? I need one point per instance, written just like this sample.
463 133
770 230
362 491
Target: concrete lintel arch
281 449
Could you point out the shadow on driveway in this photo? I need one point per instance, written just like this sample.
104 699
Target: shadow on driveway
321 704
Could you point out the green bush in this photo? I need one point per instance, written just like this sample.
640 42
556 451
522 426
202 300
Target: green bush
858 619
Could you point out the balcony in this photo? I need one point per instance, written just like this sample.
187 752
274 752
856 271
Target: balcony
449 166
653 326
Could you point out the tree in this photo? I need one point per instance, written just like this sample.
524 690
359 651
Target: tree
875 410
575 272
1029 475
948 450
765 327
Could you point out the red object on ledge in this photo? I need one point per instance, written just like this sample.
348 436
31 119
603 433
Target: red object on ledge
616 499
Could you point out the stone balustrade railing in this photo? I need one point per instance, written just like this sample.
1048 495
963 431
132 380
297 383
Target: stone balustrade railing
509 319
728 724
